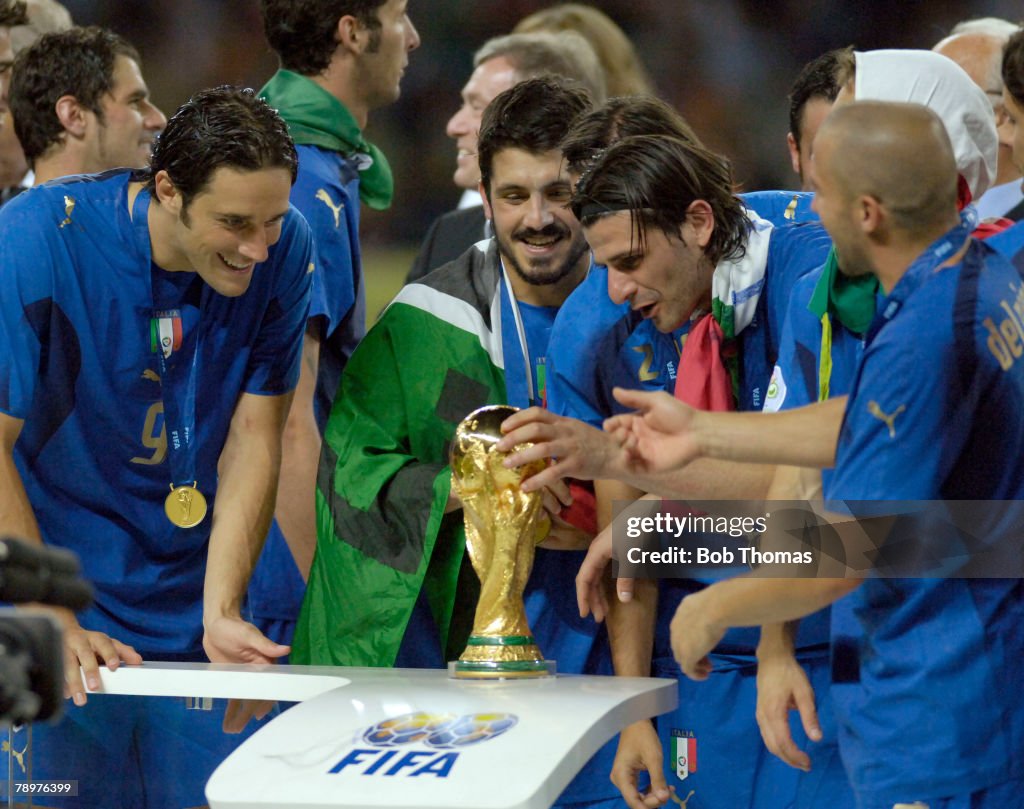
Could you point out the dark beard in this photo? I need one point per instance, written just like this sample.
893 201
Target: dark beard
543 274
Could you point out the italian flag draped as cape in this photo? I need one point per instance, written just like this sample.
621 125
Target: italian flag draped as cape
433 357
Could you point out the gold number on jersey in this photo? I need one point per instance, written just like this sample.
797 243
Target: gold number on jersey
646 374
151 439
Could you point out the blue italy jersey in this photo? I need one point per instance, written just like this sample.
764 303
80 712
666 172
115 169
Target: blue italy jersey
78 364
797 377
326 193
597 345
929 694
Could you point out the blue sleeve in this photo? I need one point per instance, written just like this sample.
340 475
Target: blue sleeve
793 252
574 386
277 352
333 215
781 207
27 310
794 381
900 434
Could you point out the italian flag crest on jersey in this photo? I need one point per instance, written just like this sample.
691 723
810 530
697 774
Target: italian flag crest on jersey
165 332
684 753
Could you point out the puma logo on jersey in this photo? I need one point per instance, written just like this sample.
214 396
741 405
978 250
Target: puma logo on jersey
325 198
683 801
890 420
19 756
69 208
151 375
791 208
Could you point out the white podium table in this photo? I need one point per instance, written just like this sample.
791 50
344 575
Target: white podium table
405 738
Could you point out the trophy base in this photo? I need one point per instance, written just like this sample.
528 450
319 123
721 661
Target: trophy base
501 670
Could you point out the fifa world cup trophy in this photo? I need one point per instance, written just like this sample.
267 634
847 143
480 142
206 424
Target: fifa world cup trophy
503 526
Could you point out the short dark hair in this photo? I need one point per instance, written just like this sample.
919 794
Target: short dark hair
303 32
12 12
535 115
226 127
656 178
817 79
621 118
78 62
1013 67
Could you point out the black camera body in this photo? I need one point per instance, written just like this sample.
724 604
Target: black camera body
31 644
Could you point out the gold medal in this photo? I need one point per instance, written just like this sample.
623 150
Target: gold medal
185 506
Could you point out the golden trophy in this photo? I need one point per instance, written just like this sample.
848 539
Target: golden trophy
503 526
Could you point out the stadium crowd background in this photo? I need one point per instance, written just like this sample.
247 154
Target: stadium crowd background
725 64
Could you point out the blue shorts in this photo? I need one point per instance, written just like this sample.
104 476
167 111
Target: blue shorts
133 752
713 748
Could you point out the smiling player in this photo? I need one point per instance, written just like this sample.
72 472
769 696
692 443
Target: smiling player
150 336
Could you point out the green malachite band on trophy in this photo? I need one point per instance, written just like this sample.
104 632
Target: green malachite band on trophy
500 640
505 665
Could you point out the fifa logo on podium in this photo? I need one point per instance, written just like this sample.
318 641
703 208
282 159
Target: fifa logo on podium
439 733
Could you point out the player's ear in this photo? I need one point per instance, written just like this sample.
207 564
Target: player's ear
794 152
870 213
72 115
167 193
701 218
352 35
487 202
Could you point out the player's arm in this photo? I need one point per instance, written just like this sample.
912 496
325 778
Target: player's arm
631 637
579 450
703 618
81 648
669 434
248 469
296 500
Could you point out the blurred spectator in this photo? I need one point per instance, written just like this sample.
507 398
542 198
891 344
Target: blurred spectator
44 17
623 69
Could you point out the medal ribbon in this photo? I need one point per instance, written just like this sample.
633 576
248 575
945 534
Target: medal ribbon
518 386
178 372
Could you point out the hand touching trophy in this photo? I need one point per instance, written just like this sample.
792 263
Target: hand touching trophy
503 526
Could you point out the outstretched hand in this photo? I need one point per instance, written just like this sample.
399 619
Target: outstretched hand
660 435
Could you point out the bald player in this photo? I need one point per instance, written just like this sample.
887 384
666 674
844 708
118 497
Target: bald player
929 705
977 46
